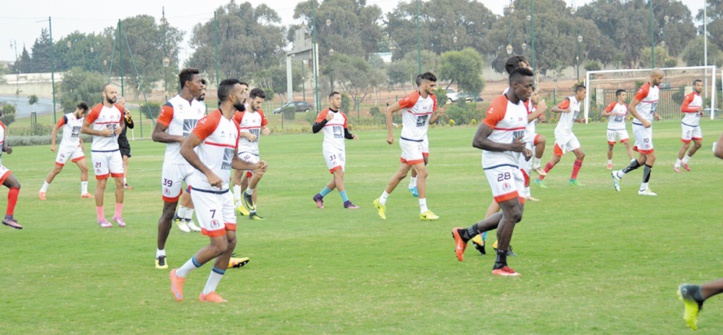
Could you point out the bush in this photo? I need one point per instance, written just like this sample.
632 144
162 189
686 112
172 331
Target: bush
671 62
8 112
462 113
310 117
592 65
289 113
151 110
374 111
441 94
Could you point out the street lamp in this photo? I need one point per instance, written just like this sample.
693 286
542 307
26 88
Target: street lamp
509 49
577 56
331 52
454 41
166 62
524 47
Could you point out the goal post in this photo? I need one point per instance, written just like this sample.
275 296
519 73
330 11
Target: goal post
601 86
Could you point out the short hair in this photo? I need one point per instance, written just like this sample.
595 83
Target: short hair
418 80
514 62
244 83
257 92
82 105
203 81
106 86
332 94
225 88
619 92
518 73
579 88
429 76
697 81
187 75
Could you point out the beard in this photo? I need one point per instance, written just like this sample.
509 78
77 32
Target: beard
239 106
111 101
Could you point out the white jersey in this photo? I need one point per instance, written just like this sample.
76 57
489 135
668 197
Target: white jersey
71 130
334 129
531 127
508 122
2 141
691 116
180 117
616 121
250 122
416 113
648 97
564 125
219 137
101 118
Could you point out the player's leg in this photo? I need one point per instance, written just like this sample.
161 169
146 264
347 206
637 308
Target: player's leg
11 182
697 137
681 155
83 167
332 162
249 196
164 229
579 157
539 142
380 203
479 240
413 177
236 181
694 296
187 217
611 135
125 173
49 179
556 156
221 262
424 212
116 171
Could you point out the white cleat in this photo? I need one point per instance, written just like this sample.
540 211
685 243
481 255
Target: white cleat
192 226
647 192
616 180
182 225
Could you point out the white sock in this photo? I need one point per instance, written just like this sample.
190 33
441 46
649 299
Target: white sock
535 162
686 159
237 194
160 252
610 161
412 182
423 205
83 187
213 279
45 187
189 214
249 191
677 163
181 212
643 186
125 182
527 191
187 267
383 198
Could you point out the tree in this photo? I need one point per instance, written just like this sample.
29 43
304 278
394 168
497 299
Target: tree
23 64
274 78
83 50
715 22
8 113
661 55
79 85
355 76
41 53
693 53
463 67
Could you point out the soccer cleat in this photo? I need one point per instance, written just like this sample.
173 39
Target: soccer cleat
540 171
238 262
676 169
531 198
319 200
248 202
11 222
349 205
540 183
381 209
192 226
647 192
128 187
509 249
41 195
161 262
685 166
692 306
103 223
241 210
414 191
479 244
177 285
254 216
211 297
575 182
610 166
119 221
616 180
182 225
428 216
87 196
459 244
505 271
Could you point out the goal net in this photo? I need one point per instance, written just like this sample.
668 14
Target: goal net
678 81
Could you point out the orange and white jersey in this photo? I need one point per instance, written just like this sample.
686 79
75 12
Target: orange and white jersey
101 118
564 125
250 122
531 126
616 121
334 129
71 130
648 97
416 112
691 116
180 117
508 122
2 141
219 137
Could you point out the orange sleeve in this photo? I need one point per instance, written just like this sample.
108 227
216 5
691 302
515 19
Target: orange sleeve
166 114
434 98
610 107
496 111
322 115
208 124
346 120
238 116
264 120
94 113
410 100
686 102
642 92
565 104
62 121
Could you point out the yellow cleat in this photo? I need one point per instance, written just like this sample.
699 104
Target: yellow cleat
428 216
238 262
381 209
692 307
241 210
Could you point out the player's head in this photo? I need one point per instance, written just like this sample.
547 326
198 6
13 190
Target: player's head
698 86
202 95
535 95
256 98
190 80
110 93
580 91
656 76
230 90
120 100
418 80
521 83
427 82
245 87
515 62
621 95
335 100
81 109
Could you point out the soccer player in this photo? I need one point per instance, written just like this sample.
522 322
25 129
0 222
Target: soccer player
212 150
71 147
334 123
616 112
644 109
177 119
104 123
565 140
692 109
425 153
418 111
252 124
123 144
500 138
8 179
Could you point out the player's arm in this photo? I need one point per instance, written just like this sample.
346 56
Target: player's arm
563 107
6 146
349 136
685 108
321 120
632 110
391 110
190 155
481 141
436 115
164 120
86 129
54 133
609 109
249 136
540 110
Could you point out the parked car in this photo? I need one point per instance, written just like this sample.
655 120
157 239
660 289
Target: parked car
464 96
299 107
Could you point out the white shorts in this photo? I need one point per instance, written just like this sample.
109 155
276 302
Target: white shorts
249 157
172 176
104 162
214 210
506 182
74 153
620 134
565 143
411 151
691 133
4 174
531 139
643 139
335 158
425 147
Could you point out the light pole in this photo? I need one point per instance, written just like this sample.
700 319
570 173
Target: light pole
166 62
577 56
532 28
509 49
652 37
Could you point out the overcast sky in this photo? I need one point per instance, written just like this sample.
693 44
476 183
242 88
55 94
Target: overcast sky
21 21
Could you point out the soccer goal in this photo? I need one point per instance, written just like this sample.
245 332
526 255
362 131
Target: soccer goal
678 81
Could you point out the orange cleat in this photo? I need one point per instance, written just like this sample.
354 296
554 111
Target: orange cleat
505 271
86 196
177 285
211 297
460 245
41 195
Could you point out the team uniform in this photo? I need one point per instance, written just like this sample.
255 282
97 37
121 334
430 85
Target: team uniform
104 151
4 172
691 118
180 117
648 97
333 147
69 147
250 122
214 206
565 140
616 130
415 119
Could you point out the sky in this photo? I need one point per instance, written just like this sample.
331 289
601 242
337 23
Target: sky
21 21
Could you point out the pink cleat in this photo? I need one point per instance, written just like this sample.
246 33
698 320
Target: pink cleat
685 166
119 221
104 223
11 222
41 195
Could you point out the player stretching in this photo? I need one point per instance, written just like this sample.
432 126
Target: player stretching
616 112
418 111
105 124
692 109
8 179
500 138
565 140
177 119
212 150
334 123
71 147
643 108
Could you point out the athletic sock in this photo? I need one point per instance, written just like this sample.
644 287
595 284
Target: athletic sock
501 260
548 167
45 187
470 232
181 213
646 173
160 252
610 161
412 182
696 293
643 186
383 198
12 200
187 267
83 187
575 169
423 205
343 195
118 210
237 194
686 159
677 163
324 192
99 211
213 279
125 182
484 236
633 165
249 191
189 214
535 162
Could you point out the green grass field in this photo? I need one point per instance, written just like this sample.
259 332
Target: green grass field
593 261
